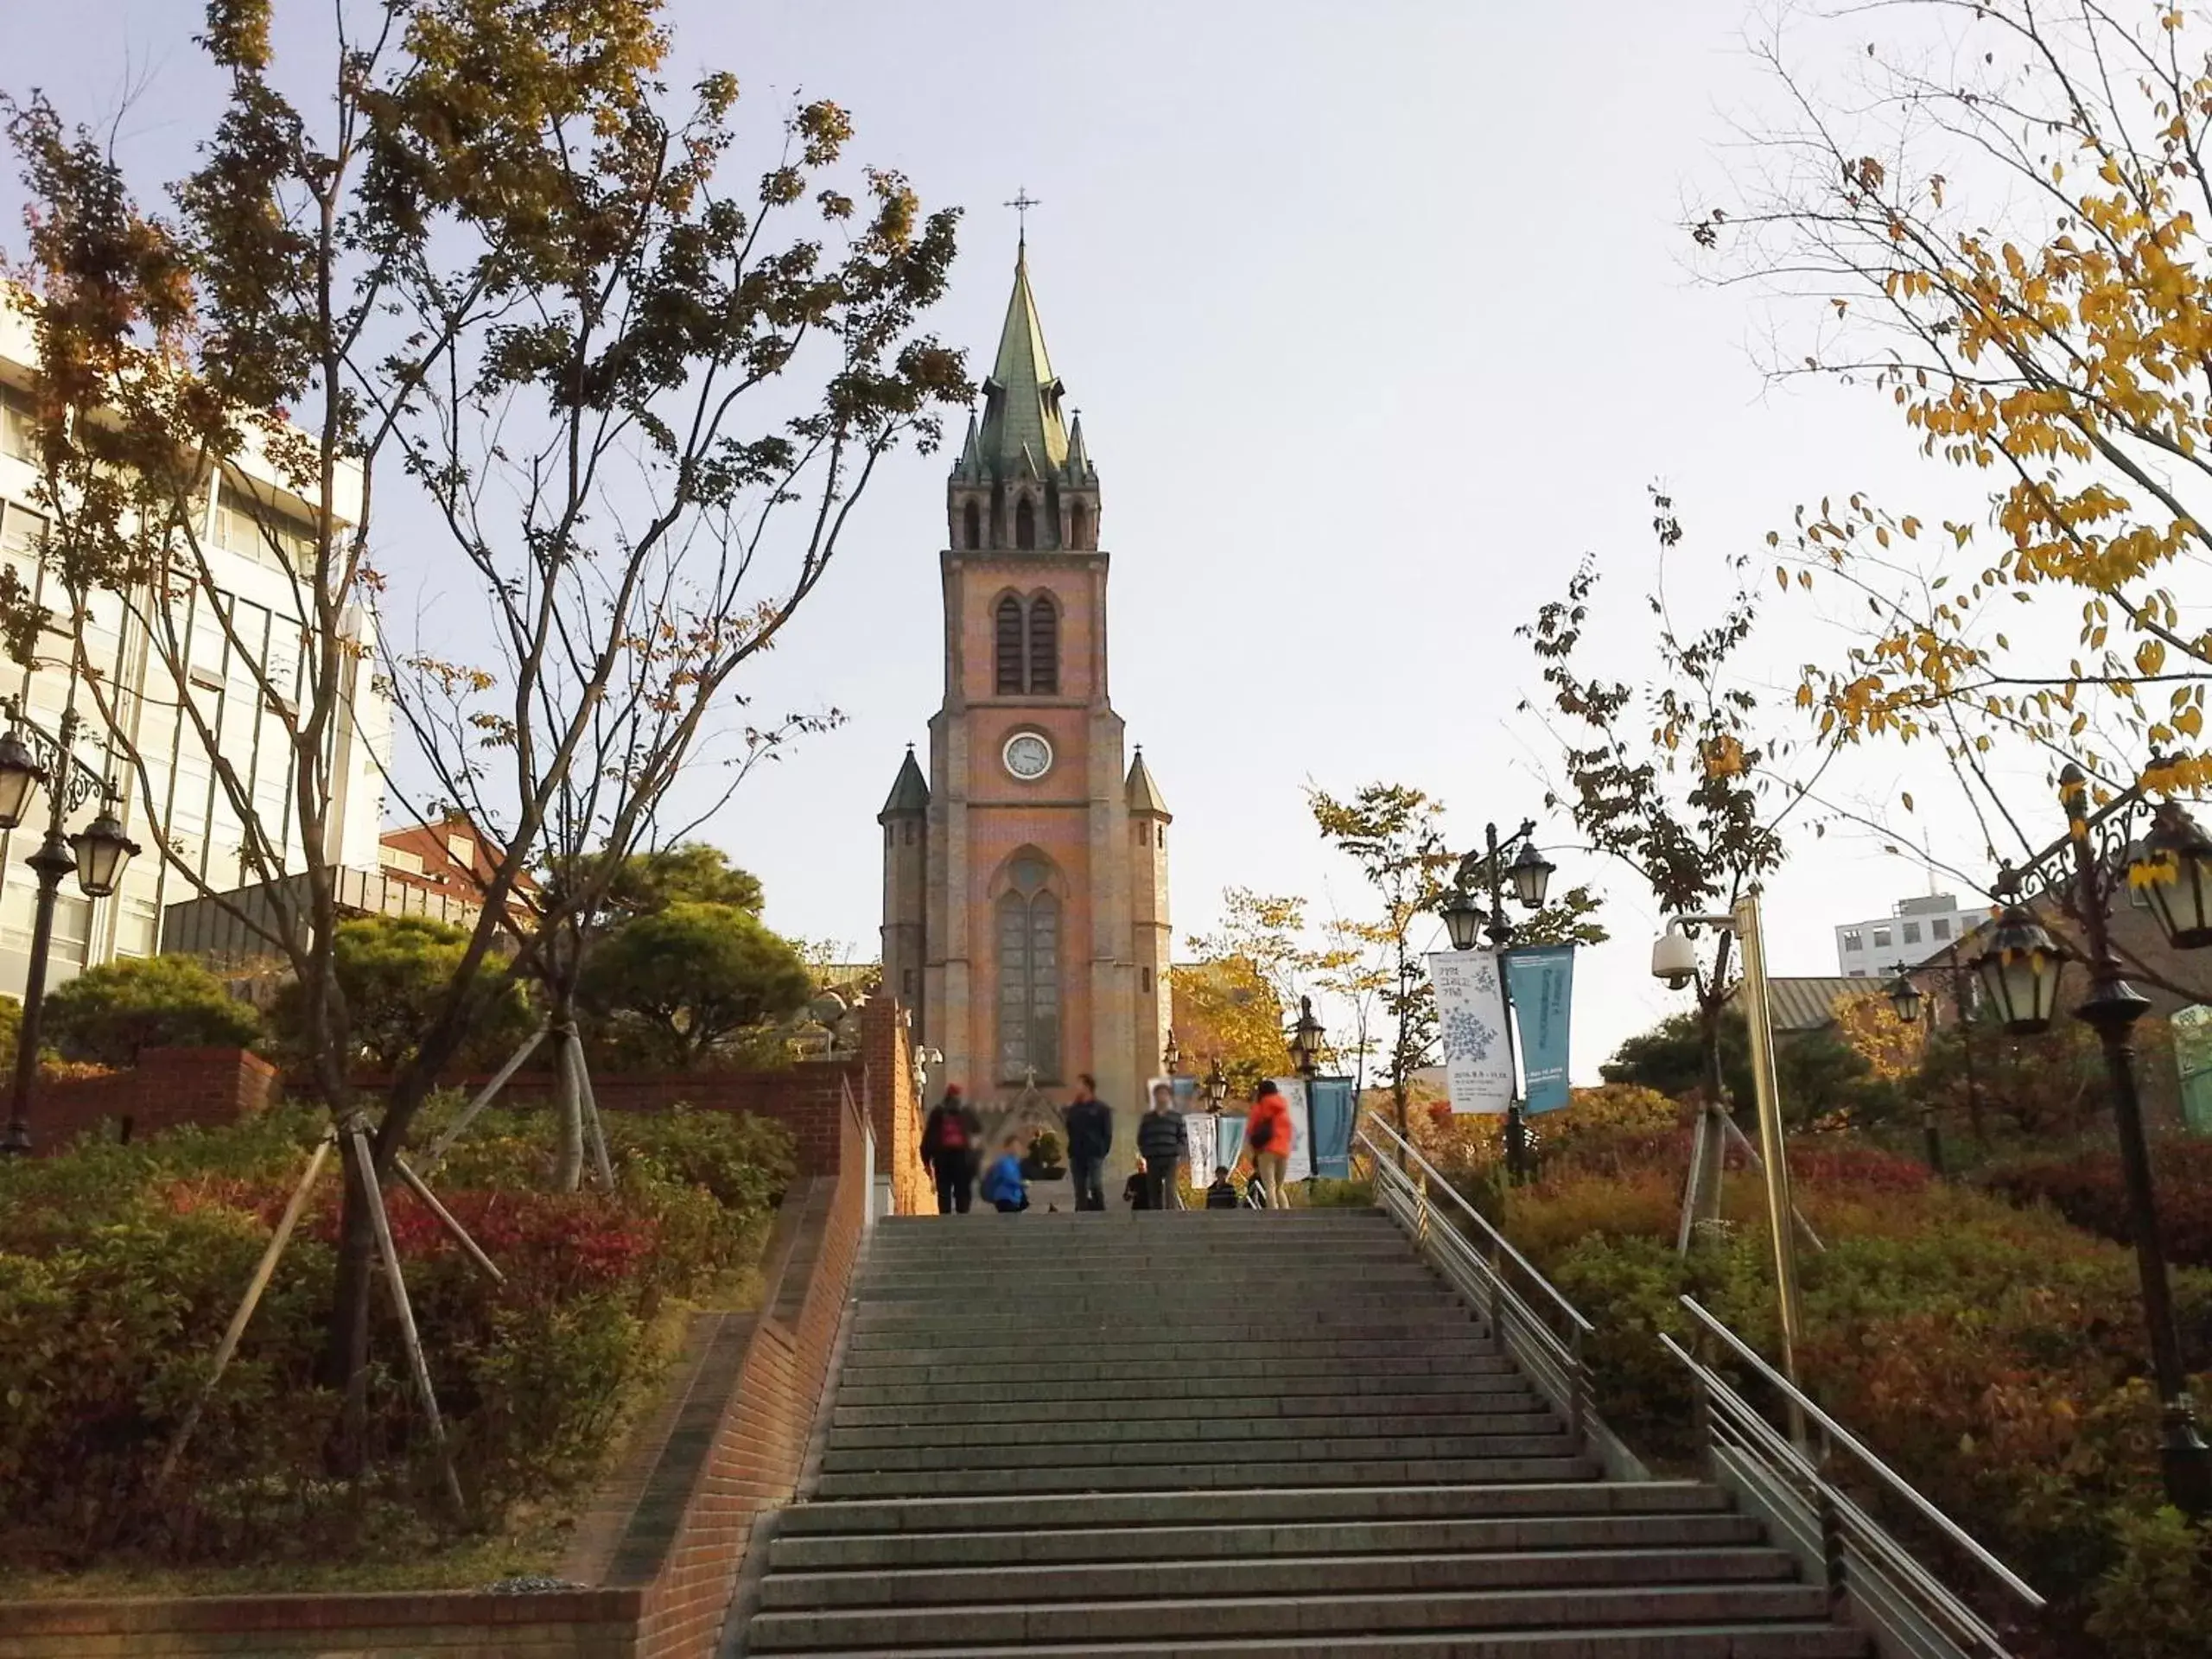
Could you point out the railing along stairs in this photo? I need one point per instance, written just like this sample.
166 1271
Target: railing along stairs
1795 1480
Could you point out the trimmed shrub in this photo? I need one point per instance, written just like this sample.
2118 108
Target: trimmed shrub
106 1014
2086 1185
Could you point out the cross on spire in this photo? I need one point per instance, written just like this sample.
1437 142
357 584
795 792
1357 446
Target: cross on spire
1022 203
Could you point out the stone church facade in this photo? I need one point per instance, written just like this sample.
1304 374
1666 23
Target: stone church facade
1025 876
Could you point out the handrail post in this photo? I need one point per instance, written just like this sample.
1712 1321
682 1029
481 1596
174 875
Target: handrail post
1708 1450
1832 1550
1579 1391
1497 1296
1420 1211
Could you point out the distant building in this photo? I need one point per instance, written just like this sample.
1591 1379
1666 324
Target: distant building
242 658
1913 929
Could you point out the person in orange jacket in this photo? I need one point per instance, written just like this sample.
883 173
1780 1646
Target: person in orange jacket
1268 1134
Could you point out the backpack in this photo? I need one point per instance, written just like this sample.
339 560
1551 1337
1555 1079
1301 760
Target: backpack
952 1134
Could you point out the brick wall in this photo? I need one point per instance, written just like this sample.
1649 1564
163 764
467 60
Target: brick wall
168 1087
438 1624
888 1050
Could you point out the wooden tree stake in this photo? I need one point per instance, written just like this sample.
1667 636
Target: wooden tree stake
469 1246
485 1096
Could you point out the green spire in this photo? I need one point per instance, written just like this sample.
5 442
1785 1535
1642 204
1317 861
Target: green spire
1023 434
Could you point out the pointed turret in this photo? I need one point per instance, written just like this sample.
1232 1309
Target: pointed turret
971 456
1143 795
910 792
1079 470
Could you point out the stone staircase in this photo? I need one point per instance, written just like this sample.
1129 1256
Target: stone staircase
1231 1433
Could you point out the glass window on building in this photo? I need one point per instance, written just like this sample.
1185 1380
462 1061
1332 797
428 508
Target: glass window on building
1912 932
1853 939
1881 938
268 537
1940 927
18 424
137 927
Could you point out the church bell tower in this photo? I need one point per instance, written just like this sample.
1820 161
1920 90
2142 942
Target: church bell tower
1024 885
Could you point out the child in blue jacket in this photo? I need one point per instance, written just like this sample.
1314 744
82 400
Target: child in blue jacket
1003 1186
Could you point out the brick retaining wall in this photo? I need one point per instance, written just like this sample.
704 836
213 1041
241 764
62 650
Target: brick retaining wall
167 1087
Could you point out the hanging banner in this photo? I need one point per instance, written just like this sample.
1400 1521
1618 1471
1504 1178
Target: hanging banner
1300 1167
1229 1145
1330 1111
1199 1126
1541 981
1470 1027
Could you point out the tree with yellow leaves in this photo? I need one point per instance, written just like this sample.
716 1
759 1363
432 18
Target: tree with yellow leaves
2007 247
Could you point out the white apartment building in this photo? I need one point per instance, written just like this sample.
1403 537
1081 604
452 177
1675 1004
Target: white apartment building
196 813
1914 930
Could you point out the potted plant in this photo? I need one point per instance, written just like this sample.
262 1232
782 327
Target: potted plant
1047 1157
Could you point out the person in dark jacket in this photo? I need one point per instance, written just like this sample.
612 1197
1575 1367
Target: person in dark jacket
950 1141
1222 1195
1133 1190
1166 1146
1090 1137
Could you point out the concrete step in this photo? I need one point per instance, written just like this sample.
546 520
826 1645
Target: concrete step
1167 1351
1158 1450
1193 1472
1305 1504
1053 1386
1790 1641
1259 1542
1366 1574
1143 1424
1225 1319
1594 1607
999 1420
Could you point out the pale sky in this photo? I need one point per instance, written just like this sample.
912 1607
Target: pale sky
1380 317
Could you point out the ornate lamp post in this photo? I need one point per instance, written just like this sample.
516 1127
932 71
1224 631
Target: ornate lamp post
98 853
1904 997
1306 1040
1171 1057
1465 920
1216 1085
2020 969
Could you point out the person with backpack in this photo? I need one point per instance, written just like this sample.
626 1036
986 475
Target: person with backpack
1004 1188
1090 1137
1222 1194
951 1139
1268 1132
1165 1144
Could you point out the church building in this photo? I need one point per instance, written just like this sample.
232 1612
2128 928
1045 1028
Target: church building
1025 878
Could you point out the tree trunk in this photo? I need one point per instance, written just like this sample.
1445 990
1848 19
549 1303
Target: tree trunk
569 1105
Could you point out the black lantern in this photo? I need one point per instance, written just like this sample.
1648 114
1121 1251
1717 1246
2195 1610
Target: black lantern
1532 875
1216 1084
20 777
1306 1039
2179 887
2019 970
1904 997
102 850
1463 920
1172 1056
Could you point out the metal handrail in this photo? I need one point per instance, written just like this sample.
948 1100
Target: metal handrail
1838 1435
1496 1240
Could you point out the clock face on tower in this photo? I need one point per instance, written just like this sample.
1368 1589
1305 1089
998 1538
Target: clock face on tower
1027 755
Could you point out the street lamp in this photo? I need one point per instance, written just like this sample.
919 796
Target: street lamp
1466 922
1171 1057
1904 997
1306 1040
97 854
1675 963
1216 1085
2021 970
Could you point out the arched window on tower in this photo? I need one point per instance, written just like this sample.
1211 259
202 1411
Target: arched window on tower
1044 647
971 526
1078 524
1009 640
1024 522
1029 977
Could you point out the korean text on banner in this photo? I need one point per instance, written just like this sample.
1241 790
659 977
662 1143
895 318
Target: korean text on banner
1541 980
1200 1126
1471 1023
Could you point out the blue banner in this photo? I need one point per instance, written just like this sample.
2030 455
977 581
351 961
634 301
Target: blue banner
1540 983
1331 1106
